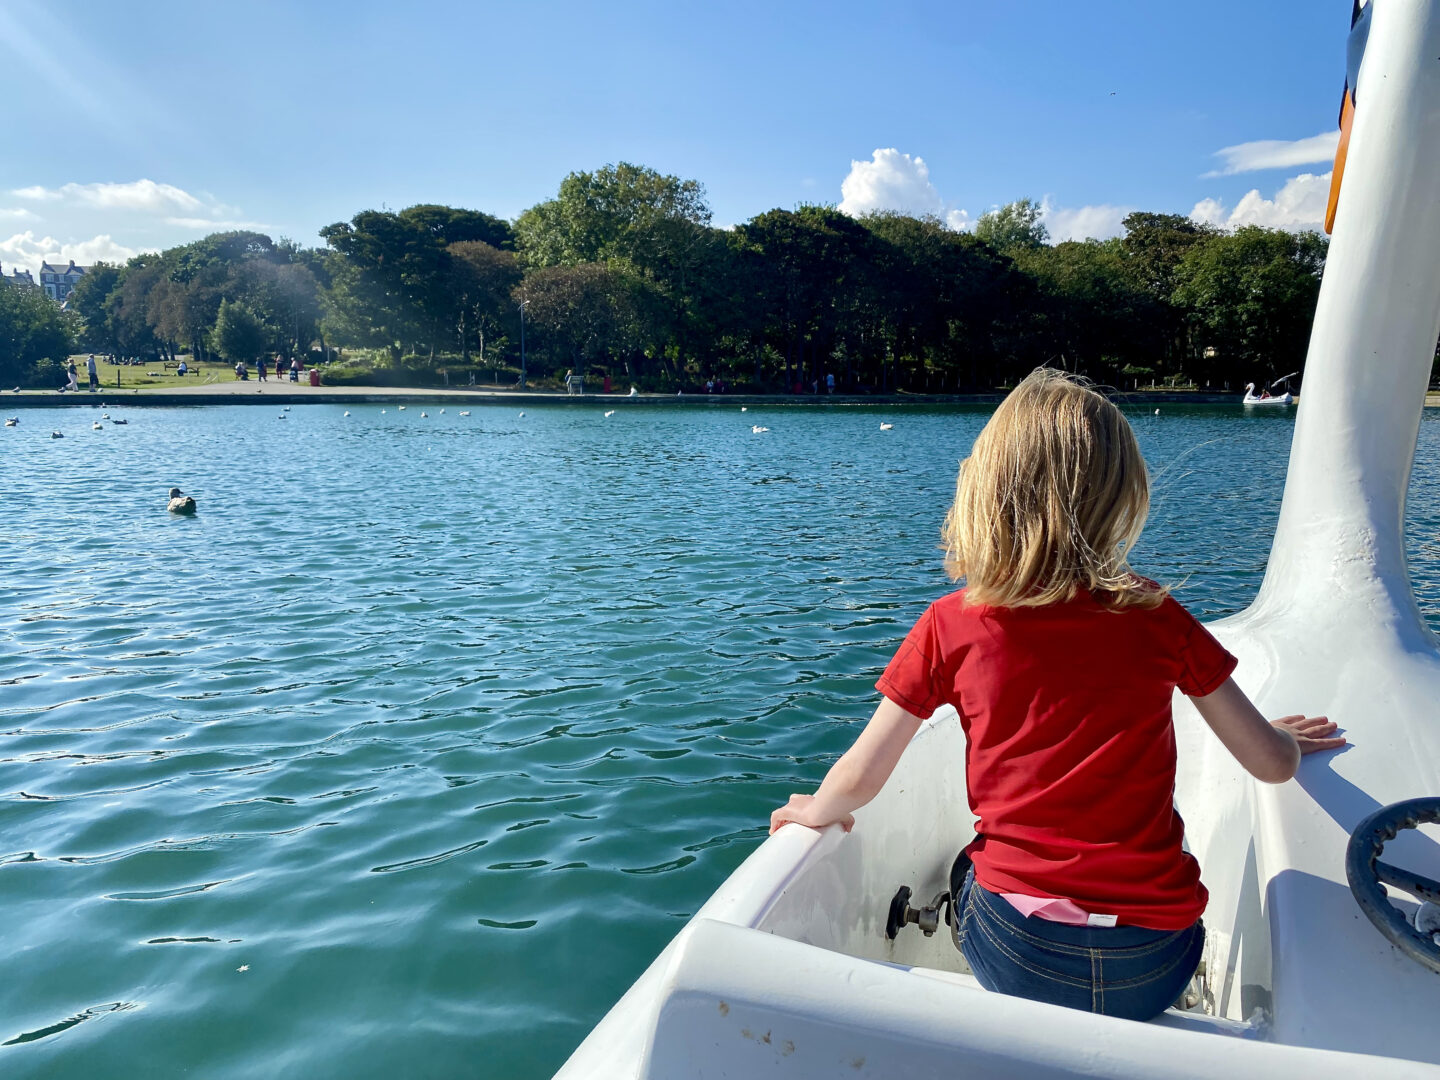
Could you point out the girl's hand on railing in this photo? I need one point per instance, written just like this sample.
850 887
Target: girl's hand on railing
800 810
1312 733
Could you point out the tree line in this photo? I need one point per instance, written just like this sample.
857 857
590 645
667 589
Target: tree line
622 273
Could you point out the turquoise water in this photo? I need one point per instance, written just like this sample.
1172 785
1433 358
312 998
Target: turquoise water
408 753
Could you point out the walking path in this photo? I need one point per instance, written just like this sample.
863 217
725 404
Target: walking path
287 393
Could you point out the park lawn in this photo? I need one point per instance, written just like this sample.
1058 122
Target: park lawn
155 375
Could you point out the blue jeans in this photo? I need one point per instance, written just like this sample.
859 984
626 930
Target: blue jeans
1124 971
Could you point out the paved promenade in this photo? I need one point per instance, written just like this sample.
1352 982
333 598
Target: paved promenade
177 391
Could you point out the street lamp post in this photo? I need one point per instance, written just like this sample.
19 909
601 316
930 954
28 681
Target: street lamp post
523 303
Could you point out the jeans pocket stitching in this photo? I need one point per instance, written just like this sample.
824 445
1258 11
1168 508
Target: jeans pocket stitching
1045 973
1153 976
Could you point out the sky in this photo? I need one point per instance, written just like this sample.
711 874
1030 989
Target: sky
132 126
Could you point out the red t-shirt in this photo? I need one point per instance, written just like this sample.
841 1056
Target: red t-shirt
1070 758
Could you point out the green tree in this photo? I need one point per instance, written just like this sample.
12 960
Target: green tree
620 211
239 335
482 280
88 299
395 275
588 314
1014 227
950 305
1154 246
1092 316
1248 299
35 335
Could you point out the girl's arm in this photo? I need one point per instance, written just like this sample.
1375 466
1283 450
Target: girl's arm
1269 751
859 774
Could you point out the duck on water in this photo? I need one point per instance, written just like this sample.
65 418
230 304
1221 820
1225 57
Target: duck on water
180 503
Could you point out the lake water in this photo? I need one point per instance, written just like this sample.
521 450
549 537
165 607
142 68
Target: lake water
409 752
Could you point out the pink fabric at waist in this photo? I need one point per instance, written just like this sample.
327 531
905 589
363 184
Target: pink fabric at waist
1055 910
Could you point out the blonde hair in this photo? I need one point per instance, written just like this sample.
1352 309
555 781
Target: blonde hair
1050 501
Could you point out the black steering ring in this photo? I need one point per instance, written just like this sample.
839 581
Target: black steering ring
1368 875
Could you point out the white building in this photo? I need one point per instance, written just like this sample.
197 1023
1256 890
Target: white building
58 281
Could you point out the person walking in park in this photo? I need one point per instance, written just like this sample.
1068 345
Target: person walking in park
93 373
73 385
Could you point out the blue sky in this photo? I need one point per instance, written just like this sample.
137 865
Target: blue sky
131 126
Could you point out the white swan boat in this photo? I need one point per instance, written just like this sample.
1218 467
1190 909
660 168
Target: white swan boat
1251 398
787 970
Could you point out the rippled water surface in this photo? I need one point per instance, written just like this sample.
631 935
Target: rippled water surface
408 753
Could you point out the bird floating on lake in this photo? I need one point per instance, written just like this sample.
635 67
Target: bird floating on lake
1157 412
97 426
744 409
424 416
610 413
382 412
57 434
757 429
347 412
465 413
400 407
442 412
180 503
119 421
11 421
522 416
104 416
886 427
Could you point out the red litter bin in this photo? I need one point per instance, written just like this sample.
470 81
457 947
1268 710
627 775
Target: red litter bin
607 384
314 376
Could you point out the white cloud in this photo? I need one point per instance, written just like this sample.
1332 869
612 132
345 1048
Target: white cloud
143 195
17 214
1299 204
1277 154
891 180
1098 222
27 251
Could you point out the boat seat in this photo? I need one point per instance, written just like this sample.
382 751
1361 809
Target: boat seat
732 1001
1180 1019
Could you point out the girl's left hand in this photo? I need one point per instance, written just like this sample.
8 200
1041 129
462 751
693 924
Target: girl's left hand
800 810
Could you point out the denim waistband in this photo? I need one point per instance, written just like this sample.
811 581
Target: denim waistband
1090 937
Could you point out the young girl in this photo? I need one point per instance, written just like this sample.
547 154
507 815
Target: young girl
1062 663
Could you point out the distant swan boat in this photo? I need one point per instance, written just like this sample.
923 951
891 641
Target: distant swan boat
1278 399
